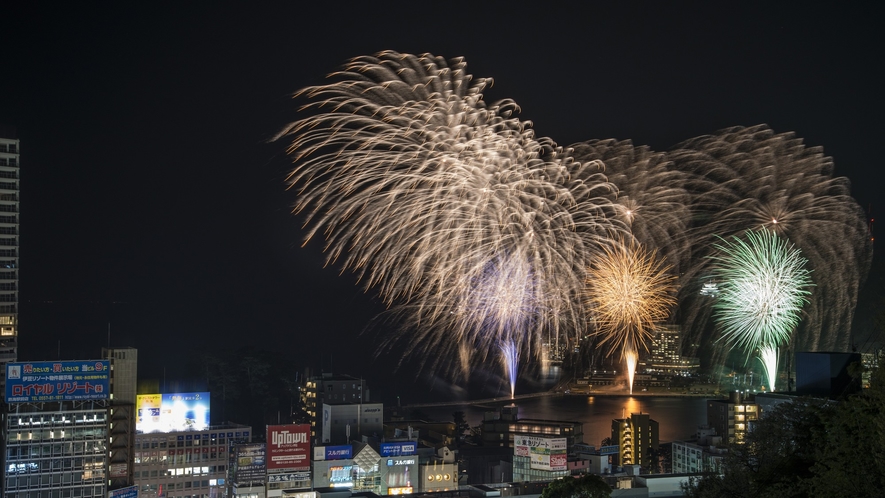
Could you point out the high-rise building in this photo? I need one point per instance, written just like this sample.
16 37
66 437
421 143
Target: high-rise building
732 417
9 197
330 389
636 436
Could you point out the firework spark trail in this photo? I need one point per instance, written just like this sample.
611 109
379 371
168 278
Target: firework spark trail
768 357
510 358
628 292
417 186
744 178
763 286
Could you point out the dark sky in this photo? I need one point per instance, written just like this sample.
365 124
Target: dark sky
151 201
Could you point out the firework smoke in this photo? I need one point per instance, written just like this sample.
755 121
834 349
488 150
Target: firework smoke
651 197
763 287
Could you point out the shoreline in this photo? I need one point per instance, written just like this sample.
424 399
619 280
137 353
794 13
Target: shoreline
608 394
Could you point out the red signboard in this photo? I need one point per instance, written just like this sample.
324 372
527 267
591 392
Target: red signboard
288 447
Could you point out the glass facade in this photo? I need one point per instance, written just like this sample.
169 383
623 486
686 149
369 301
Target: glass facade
57 454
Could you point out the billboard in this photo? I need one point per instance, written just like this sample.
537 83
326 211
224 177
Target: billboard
127 492
398 449
342 452
172 412
57 381
248 464
288 447
544 453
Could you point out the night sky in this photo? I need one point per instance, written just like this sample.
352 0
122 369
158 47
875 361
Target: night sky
152 203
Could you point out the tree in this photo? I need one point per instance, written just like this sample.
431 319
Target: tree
850 459
775 460
586 486
461 425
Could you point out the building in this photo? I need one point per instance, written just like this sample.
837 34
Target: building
9 198
185 463
664 356
636 436
539 459
499 428
56 430
732 418
330 389
57 449
343 423
704 453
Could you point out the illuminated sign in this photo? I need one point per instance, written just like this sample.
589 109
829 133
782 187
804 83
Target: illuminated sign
248 463
172 412
289 477
288 447
609 450
398 449
400 491
400 461
341 476
57 381
544 453
338 452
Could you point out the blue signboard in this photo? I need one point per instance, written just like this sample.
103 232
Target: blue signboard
127 492
57 381
399 449
339 452
609 450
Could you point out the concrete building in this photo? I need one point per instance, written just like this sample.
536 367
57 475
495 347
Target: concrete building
330 389
701 454
342 423
64 436
732 418
10 148
185 464
635 436
56 449
500 427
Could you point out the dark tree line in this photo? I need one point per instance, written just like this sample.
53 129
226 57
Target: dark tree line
251 387
808 448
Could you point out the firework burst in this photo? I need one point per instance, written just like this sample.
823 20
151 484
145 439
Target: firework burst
628 292
743 178
763 286
432 197
651 197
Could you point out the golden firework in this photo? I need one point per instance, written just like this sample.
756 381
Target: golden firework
628 291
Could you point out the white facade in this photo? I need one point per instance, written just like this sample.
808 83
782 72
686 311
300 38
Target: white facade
343 423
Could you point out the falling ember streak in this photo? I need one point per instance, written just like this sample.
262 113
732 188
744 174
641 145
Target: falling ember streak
631 358
510 357
768 356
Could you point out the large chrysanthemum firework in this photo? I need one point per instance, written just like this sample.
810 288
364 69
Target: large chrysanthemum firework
763 285
628 291
423 190
744 178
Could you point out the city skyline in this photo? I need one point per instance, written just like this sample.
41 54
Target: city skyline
154 212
